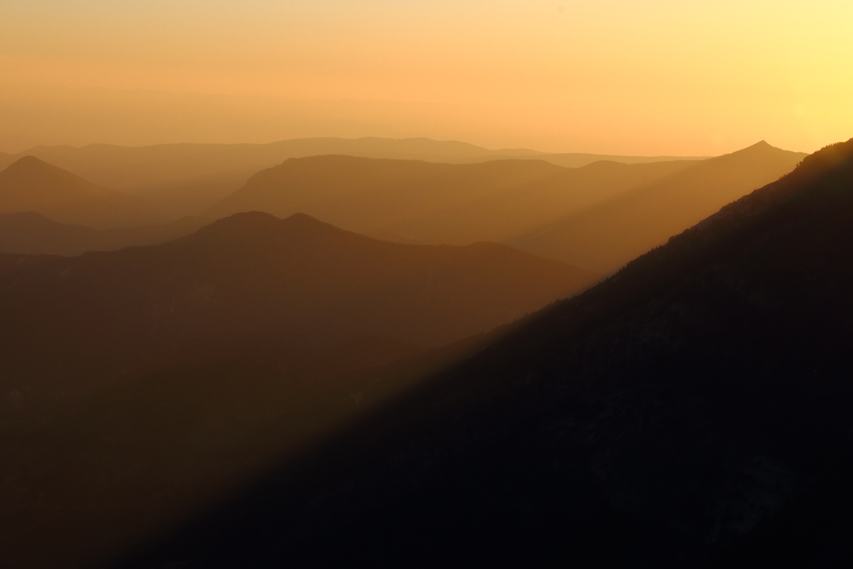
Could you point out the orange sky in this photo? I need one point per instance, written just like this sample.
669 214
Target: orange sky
610 76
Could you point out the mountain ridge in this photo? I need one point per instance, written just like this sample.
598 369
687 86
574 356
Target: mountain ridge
607 235
274 153
433 203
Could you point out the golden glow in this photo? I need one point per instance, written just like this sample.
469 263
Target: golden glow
610 76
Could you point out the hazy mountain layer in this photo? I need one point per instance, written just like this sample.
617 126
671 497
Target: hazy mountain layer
436 203
608 235
30 185
150 167
370 195
691 410
33 234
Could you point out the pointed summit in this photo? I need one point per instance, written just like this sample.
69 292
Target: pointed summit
759 148
30 168
30 184
32 179
261 228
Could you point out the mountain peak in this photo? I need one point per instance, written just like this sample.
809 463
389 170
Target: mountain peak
30 164
759 150
263 219
246 219
304 219
254 225
32 169
761 146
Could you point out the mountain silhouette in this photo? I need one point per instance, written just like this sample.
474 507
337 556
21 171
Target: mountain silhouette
30 184
33 234
607 235
435 203
255 276
692 410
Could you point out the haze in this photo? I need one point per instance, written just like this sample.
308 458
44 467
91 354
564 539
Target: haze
657 77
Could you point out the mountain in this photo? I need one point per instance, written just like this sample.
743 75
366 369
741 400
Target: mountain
142 169
435 203
33 234
30 184
691 411
606 236
246 282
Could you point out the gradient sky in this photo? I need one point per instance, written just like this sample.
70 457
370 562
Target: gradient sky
613 76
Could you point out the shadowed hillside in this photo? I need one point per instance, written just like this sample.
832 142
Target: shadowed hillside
33 234
610 234
250 277
139 385
436 203
32 185
692 410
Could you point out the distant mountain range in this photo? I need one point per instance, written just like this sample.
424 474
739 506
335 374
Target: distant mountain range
691 411
141 169
598 216
376 195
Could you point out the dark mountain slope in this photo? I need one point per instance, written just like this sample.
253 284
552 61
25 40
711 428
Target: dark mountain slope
32 185
608 235
692 409
94 475
253 276
33 234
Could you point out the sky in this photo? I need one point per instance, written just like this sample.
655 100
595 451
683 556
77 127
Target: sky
648 77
